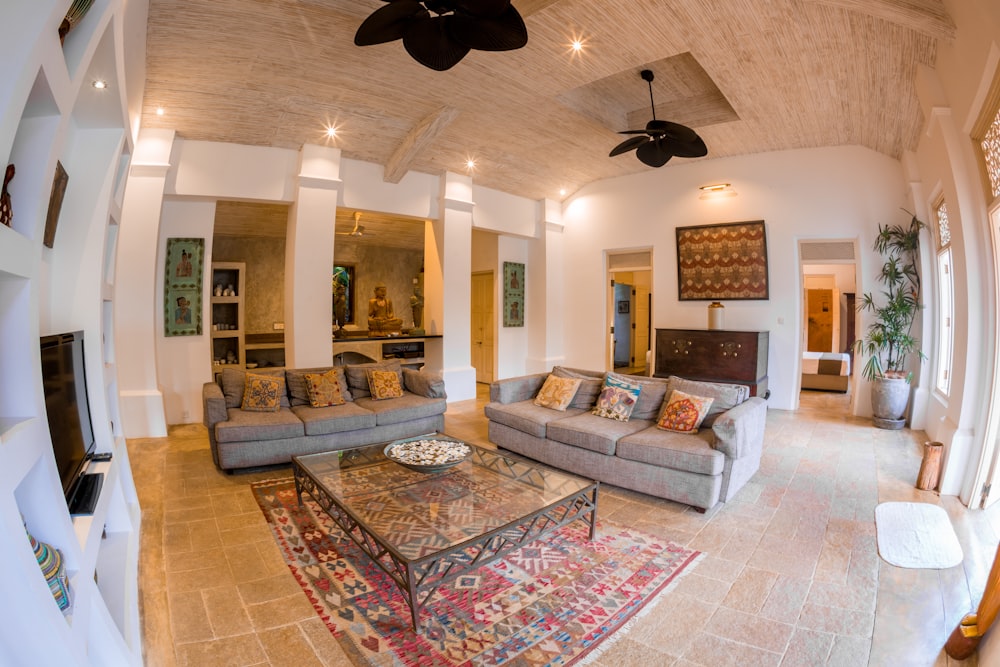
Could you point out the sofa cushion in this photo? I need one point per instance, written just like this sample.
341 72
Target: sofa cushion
334 419
692 453
617 399
724 396
243 426
406 408
298 389
525 416
590 385
424 383
324 389
357 375
651 395
557 392
262 393
384 384
683 412
592 432
234 383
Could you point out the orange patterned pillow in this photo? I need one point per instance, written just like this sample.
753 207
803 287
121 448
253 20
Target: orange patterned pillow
683 413
324 390
557 393
262 393
384 384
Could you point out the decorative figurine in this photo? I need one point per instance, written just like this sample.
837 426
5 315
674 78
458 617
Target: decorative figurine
381 318
218 290
417 307
340 309
6 212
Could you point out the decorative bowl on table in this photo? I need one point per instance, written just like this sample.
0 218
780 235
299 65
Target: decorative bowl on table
427 454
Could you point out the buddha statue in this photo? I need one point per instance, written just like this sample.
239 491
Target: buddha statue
381 318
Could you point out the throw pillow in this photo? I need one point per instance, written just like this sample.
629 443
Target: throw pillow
262 393
684 413
617 400
384 384
324 390
298 388
590 386
357 375
725 396
557 392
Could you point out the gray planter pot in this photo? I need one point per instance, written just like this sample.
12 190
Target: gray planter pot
890 397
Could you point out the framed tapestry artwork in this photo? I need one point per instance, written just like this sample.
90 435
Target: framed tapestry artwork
722 261
185 262
513 294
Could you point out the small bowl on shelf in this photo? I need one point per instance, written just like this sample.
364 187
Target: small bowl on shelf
252 365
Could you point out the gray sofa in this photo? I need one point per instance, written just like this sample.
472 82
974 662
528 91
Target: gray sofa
243 439
700 469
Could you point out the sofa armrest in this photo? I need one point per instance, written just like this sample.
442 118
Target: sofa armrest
739 431
424 383
521 388
215 406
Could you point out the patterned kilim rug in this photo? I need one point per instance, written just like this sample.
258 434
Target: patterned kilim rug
552 602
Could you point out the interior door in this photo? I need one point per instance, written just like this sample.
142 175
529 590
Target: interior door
623 325
482 326
819 305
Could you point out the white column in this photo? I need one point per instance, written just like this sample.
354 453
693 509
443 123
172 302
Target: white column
448 286
309 259
544 293
136 300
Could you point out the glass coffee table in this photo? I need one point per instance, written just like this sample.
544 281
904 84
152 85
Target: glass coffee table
425 529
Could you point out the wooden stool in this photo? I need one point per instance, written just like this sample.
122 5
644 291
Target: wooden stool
930 467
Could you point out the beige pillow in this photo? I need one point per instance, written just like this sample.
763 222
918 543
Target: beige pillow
324 389
384 384
262 393
683 413
557 393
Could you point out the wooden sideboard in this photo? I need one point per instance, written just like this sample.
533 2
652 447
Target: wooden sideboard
714 355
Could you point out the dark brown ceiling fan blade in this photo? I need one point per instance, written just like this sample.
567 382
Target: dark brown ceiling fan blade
503 33
439 33
628 145
388 23
696 148
653 154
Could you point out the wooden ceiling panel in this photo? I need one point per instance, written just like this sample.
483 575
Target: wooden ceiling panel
770 75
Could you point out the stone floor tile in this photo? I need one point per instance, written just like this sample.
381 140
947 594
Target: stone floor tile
288 646
854 651
719 568
750 629
324 644
750 590
705 589
674 626
836 620
217 574
241 651
279 612
785 601
277 587
188 617
226 613
712 651
628 652
807 648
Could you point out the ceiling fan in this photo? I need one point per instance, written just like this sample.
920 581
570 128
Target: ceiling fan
439 33
662 139
359 229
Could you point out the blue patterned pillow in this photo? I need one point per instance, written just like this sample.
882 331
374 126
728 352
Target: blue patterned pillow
617 399
262 393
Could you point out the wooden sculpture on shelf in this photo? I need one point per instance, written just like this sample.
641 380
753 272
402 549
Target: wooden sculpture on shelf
6 212
382 321
967 634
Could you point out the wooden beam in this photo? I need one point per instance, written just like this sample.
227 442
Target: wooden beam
421 136
928 17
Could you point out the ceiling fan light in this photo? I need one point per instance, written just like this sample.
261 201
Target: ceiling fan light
653 153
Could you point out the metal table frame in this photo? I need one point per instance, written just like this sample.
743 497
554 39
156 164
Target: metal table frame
418 579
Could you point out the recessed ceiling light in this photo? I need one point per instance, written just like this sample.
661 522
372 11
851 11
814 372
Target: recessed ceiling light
577 45
100 84
331 131
562 192
159 111
470 164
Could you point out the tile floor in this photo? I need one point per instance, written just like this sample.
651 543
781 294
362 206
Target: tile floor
791 574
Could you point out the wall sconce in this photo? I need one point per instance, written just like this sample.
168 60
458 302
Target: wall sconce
716 190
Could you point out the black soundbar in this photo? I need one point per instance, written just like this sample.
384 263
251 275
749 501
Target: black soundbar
85 494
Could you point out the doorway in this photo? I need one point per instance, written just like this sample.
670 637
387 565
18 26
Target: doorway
629 312
482 329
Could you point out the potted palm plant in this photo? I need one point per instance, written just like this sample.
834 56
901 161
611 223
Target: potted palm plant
889 342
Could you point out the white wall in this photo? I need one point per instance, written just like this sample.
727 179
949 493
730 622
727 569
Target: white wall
799 194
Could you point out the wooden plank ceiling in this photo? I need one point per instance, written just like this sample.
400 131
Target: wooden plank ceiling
749 76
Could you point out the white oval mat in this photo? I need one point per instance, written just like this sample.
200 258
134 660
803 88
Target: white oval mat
916 535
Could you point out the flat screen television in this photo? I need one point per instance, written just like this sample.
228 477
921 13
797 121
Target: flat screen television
64 382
